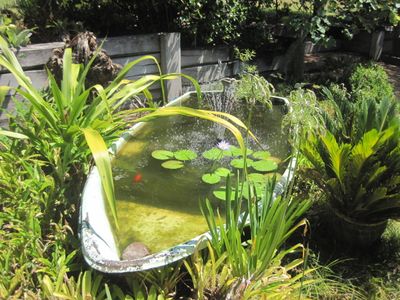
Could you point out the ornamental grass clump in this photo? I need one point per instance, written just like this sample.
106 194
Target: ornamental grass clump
254 262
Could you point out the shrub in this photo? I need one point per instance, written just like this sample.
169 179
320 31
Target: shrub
370 82
200 21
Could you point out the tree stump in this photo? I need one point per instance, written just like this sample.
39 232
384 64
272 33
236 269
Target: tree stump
84 46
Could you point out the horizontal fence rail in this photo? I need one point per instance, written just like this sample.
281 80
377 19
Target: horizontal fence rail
205 65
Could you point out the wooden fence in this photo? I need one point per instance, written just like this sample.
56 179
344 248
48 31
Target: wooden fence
204 65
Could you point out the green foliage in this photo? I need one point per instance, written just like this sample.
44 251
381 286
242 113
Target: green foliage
349 120
305 114
211 178
72 106
31 237
318 17
255 265
211 276
264 165
370 81
172 164
254 88
185 155
211 22
240 163
87 286
15 35
213 154
180 157
261 154
202 22
162 154
361 179
102 159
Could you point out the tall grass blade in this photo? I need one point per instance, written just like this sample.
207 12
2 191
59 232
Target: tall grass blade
103 162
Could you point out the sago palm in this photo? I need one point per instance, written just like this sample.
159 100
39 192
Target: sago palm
362 181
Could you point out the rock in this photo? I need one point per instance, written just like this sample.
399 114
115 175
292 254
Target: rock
134 251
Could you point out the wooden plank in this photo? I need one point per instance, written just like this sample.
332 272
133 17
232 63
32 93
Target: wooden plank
388 46
38 78
144 67
36 55
376 46
170 44
131 44
208 73
310 47
204 56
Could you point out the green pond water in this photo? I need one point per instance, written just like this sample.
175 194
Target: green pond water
160 207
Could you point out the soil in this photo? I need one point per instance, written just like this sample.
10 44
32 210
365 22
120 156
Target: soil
393 72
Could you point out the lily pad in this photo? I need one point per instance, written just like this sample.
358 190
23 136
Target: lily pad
223 172
211 178
249 151
255 189
265 165
227 153
213 154
261 154
172 164
185 155
221 194
162 154
236 151
256 177
271 175
239 163
275 159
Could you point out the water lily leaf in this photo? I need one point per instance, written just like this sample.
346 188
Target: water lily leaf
185 155
256 177
221 194
270 175
235 151
249 151
213 154
172 164
275 159
239 163
261 154
265 165
227 153
162 154
223 172
255 189
211 178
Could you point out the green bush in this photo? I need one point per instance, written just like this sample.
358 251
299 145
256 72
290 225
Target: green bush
370 82
201 22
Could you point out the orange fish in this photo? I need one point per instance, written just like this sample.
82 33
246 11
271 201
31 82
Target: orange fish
137 178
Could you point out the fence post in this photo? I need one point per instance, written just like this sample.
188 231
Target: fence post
376 48
170 46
